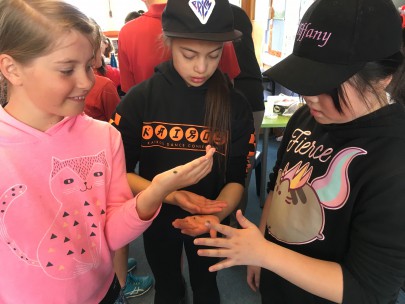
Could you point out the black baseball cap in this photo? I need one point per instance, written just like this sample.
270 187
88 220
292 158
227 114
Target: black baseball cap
210 20
335 39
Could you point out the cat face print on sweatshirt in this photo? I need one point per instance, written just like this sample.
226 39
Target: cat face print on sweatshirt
296 214
71 245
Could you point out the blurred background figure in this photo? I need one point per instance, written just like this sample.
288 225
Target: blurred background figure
132 15
249 83
106 69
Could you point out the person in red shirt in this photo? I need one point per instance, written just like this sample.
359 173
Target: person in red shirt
103 97
105 69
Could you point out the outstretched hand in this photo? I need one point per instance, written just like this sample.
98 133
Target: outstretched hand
197 204
238 247
196 225
185 175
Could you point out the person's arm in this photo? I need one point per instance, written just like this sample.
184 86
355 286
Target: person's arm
253 272
164 183
128 217
242 143
191 202
195 225
248 247
127 78
232 194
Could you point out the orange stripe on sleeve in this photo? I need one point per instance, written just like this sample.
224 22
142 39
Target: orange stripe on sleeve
117 119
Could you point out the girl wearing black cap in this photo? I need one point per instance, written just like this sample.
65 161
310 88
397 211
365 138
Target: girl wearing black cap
170 118
333 222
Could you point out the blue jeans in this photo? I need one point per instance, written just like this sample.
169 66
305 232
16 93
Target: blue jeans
401 297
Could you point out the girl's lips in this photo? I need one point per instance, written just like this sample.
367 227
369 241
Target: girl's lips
315 112
78 98
197 79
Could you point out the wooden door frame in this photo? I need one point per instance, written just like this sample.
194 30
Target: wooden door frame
249 7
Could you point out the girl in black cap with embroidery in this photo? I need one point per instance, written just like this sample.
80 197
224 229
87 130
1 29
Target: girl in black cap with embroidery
333 222
169 119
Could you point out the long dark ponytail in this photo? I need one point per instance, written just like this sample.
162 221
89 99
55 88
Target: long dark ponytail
218 110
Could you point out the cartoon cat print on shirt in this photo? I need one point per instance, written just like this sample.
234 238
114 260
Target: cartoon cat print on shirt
6 199
296 214
71 245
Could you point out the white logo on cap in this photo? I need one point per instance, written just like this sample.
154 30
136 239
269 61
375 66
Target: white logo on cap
202 9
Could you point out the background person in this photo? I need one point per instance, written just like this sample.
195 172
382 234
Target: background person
103 98
105 69
132 15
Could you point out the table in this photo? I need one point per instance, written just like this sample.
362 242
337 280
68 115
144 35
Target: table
267 124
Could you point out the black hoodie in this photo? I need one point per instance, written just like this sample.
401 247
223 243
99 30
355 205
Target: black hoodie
341 190
162 125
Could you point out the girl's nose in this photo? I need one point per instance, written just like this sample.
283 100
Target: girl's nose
85 80
200 65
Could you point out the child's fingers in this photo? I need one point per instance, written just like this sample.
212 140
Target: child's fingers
209 150
219 243
216 252
209 210
221 265
223 229
213 233
216 202
184 224
243 221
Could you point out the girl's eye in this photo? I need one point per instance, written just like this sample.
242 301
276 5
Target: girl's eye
214 55
67 72
188 55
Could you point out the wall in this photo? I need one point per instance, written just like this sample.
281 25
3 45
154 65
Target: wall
101 13
119 10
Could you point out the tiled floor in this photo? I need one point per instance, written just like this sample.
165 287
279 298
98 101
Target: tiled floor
231 282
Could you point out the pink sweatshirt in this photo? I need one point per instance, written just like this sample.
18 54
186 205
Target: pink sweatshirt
62 210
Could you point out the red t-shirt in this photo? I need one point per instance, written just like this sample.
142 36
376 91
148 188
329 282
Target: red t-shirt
102 99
